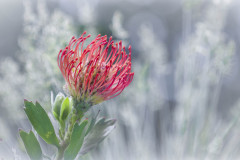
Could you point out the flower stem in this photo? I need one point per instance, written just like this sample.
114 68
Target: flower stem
67 136
61 150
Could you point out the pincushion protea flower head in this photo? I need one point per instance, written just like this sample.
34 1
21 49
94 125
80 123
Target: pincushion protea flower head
96 73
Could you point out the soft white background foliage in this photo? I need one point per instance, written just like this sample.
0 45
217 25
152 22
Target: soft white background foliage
172 108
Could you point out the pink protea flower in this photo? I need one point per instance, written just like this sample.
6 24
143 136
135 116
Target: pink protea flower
96 73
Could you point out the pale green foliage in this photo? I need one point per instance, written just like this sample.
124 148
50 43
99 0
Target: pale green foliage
31 144
41 122
76 142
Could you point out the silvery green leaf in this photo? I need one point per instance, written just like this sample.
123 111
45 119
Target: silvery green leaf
41 122
76 141
31 144
92 123
100 130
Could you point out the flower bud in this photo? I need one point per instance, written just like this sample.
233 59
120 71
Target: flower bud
56 108
66 108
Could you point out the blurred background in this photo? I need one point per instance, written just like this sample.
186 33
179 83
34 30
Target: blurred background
184 101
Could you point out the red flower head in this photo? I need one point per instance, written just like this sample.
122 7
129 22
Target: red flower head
96 73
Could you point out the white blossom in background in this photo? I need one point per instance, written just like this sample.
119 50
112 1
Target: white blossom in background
10 82
86 14
199 132
44 34
117 26
87 18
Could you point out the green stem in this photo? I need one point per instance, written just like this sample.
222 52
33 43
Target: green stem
62 130
66 137
61 150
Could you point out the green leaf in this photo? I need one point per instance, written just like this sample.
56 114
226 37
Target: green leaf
56 107
65 109
31 144
92 124
99 131
76 141
41 122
